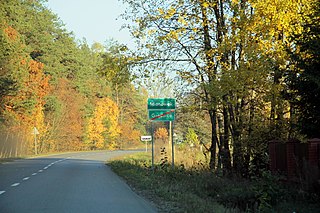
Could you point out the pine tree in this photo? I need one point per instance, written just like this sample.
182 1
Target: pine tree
306 79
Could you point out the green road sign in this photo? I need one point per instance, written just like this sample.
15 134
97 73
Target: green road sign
161 103
161 115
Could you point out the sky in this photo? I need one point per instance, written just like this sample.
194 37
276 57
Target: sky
94 20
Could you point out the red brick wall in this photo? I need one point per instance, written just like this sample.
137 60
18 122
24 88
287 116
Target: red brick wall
287 157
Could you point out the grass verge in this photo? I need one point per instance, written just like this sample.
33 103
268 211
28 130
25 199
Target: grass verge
171 190
198 190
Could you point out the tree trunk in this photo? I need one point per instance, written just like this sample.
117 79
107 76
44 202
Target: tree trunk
237 141
214 138
226 161
211 73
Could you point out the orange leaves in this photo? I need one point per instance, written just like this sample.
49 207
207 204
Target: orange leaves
161 133
27 105
23 62
66 116
35 67
129 135
11 33
37 83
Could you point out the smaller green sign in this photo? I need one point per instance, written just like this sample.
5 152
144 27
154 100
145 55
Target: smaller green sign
161 103
161 115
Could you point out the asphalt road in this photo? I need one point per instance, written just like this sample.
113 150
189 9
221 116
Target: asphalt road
76 182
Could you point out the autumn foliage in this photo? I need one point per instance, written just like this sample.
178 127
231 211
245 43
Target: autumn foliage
51 82
103 125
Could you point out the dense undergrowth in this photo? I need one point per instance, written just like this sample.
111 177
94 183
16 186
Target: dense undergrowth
199 190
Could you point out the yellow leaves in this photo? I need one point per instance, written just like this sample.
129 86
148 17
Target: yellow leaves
173 34
136 33
182 21
152 31
167 14
149 46
170 12
274 21
280 14
235 2
205 4
104 124
161 11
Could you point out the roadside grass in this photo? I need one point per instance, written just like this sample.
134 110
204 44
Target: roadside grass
5 160
197 190
32 156
10 159
172 190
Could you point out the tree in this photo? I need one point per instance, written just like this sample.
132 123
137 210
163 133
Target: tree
114 67
305 78
102 130
132 115
231 54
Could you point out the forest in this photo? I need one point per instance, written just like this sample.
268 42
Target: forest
78 97
243 72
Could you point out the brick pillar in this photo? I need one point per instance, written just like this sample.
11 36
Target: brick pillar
291 161
272 155
313 152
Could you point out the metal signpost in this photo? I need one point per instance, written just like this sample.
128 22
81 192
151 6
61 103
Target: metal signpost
160 110
35 132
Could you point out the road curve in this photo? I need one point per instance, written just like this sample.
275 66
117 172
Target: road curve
75 182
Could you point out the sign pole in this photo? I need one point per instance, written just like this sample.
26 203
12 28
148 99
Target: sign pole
161 109
35 132
152 141
35 144
172 143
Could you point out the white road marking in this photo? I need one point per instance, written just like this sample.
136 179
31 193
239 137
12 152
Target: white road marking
1 192
15 184
40 170
26 178
34 174
45 168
